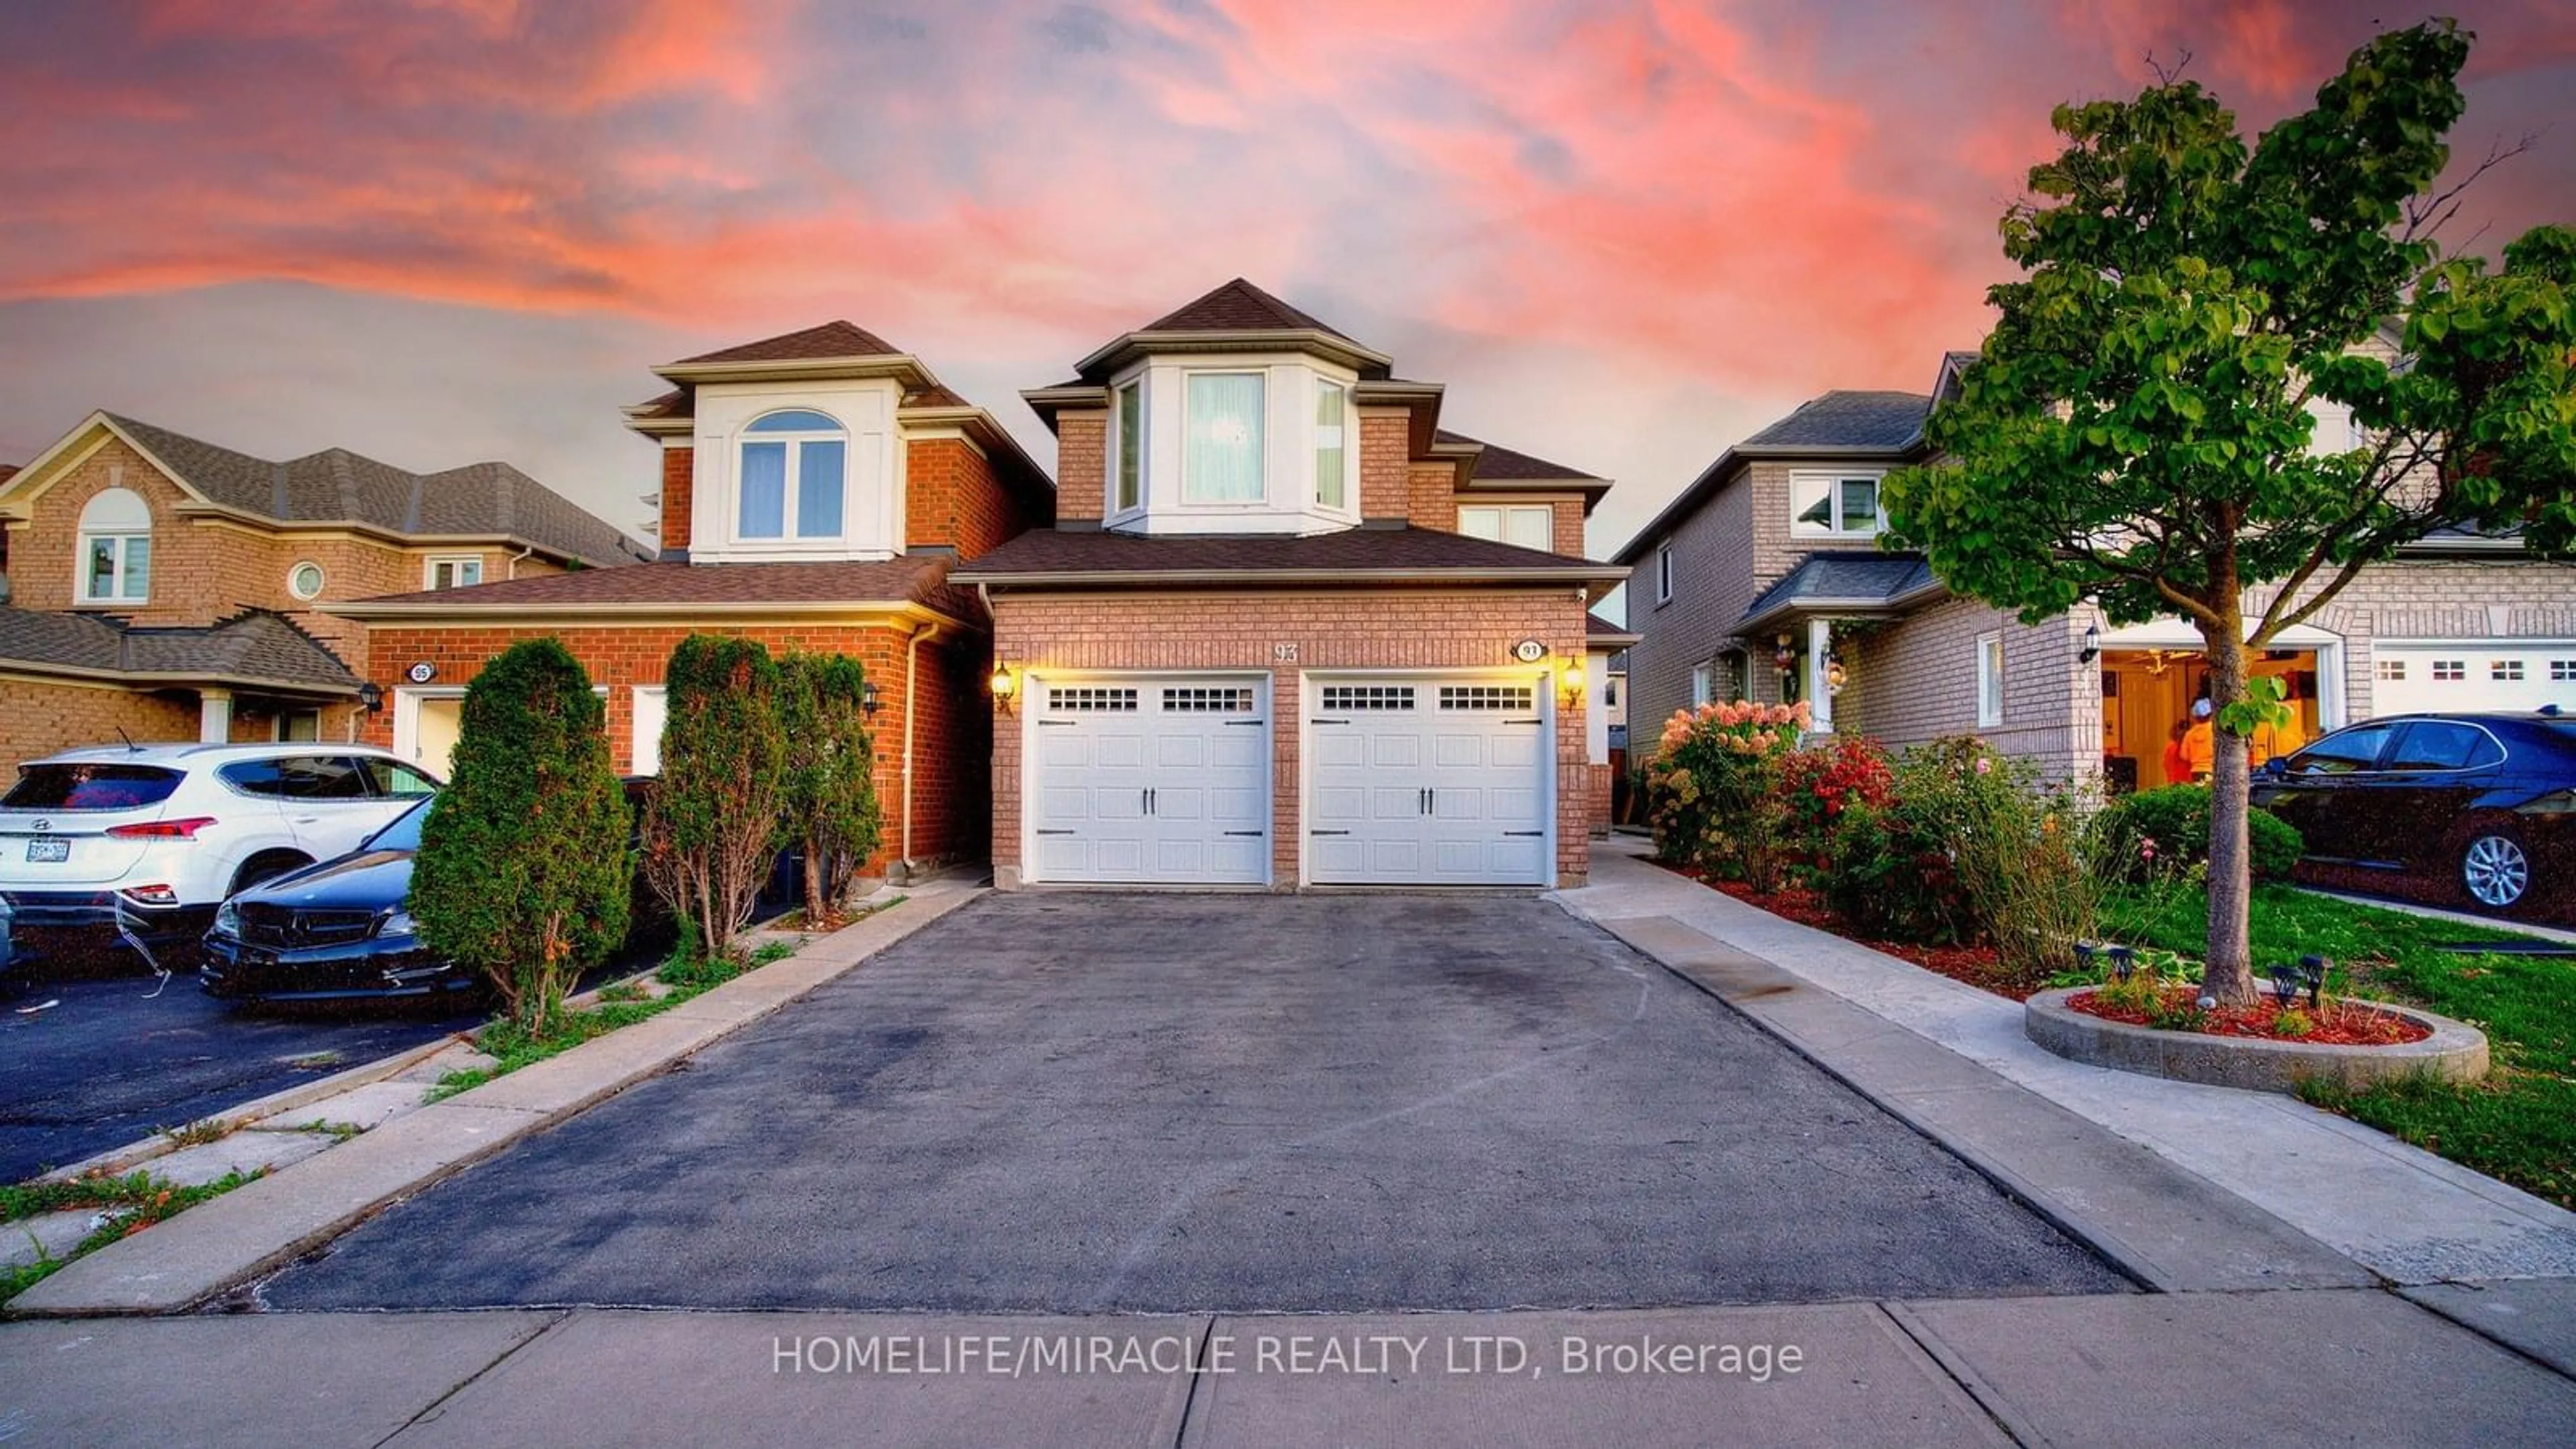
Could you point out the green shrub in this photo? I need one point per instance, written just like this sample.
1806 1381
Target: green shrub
2170 829
2033 863
523 869
711 826
830 780
1888 873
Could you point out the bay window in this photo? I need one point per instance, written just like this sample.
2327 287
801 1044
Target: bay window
1131 446
1222 438
1331 455
793 477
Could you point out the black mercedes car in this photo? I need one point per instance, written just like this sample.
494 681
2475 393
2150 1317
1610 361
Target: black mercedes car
342 930
2480 805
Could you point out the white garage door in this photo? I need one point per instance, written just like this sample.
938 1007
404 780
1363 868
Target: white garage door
1150 781
2505 675
1428 782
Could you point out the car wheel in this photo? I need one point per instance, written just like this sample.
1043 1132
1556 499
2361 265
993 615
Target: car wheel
260 868
2495 868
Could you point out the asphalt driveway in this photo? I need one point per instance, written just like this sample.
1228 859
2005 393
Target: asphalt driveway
1083 1103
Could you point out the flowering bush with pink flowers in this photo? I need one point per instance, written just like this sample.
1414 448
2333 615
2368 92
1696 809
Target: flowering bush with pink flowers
1713 788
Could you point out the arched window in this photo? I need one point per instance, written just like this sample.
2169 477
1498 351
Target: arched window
116 548
794 471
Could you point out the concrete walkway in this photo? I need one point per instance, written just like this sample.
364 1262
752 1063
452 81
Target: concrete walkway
2351 1366
2405 1215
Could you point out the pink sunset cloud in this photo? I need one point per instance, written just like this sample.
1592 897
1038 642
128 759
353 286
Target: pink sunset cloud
1725 207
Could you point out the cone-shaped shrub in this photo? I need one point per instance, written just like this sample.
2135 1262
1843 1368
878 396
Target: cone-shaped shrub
830 781
524 869
711 825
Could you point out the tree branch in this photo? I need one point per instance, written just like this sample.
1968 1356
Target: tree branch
2427 216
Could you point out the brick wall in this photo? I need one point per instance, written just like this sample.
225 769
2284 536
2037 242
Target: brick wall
1431 491
1713 583
2464 599
953 497
1386 468
37 718
949 774
1082 464
679 493
1333 632
1916 680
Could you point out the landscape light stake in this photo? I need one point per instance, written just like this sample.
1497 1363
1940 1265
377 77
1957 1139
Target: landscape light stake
2314 968
2123 961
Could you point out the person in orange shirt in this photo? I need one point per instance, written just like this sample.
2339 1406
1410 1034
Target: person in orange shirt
2199 744
2177 769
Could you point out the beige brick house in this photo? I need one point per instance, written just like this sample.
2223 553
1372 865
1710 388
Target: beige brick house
815 489
174 589
1763 579
1286 630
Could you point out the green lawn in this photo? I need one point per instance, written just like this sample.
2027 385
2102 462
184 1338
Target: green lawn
2519 1124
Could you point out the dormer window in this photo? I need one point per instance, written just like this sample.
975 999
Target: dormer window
115 548
1222 456
1825 505
794 477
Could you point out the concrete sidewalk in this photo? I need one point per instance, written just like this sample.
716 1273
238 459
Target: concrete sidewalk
2353 1366
2403 1214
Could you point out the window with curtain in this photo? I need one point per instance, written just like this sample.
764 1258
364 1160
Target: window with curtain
1525 525
794 475
1221 449
1131 445
1331 461
115 548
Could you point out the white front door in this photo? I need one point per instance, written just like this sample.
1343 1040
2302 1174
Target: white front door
1149 780
2504 675
1426 781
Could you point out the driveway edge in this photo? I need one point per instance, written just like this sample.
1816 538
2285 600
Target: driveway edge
196 1256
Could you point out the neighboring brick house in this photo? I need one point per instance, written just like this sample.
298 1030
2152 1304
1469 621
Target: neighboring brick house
1763 580
1262 646
173 589
815 490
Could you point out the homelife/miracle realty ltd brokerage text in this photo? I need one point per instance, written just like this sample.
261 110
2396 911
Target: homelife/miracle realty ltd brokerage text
1014 1355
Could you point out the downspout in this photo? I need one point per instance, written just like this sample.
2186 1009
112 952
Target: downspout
911 672
514 559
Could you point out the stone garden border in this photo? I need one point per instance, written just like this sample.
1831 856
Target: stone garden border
2455 1052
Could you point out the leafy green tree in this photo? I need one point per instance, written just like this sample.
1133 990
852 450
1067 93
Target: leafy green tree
711 825
2138 429
524 869
830 779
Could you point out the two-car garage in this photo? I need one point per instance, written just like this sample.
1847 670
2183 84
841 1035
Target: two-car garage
1404 779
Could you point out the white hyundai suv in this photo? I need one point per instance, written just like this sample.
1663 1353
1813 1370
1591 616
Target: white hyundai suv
162 834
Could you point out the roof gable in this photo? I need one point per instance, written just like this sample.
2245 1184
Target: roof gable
1239 306
812 344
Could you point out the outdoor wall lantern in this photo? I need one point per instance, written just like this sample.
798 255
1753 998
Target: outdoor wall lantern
1569 678
371 697
868 699
2092 644
1005 685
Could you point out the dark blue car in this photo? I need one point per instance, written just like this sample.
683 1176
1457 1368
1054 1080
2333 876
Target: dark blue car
2479 807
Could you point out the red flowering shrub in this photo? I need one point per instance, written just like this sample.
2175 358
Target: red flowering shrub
1817 785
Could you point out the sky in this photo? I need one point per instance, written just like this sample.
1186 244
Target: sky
1625 235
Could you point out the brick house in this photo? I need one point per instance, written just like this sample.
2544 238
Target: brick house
1763 579
176 590
816 488
1288 631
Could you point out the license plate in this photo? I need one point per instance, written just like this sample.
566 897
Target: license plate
42 852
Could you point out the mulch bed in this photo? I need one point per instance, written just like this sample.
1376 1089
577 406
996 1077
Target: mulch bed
2336 1024
1978 966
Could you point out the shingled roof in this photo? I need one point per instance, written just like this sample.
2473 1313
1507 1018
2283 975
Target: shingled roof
255 647
1844 419
339 486
1842 580
1353 554
831 339
1239 306
914 578
1500 463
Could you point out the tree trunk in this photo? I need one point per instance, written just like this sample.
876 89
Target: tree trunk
2230 955
814 892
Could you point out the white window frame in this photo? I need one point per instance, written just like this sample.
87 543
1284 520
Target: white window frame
640 742
1664 572
1833 480
321 579
1703 683
122 537
1503 514
430 566
1346 445
793 441
1261 455
1128 445
1990 680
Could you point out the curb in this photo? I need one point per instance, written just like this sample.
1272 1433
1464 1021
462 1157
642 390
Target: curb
199 1255
121 1160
